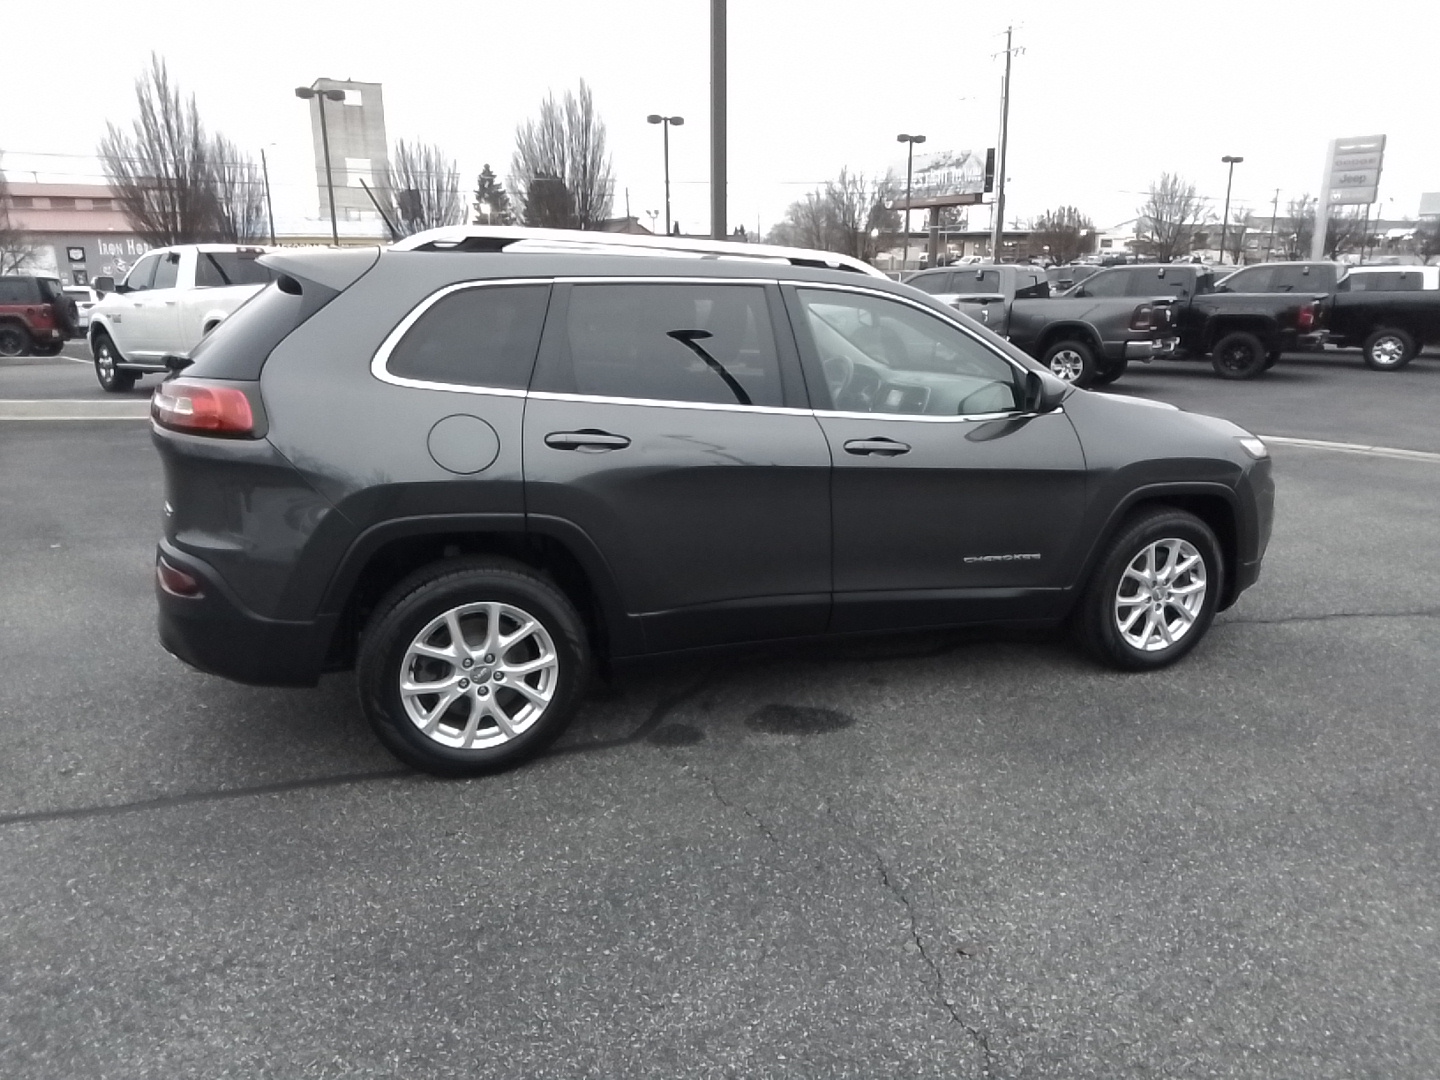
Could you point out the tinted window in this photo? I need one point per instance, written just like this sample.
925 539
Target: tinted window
930 283
1295 279
142 273
704 343
219 268
165 273
1159 281
1032 286
1255 280
19 291
1386 281
1108 283
485 336
970 282
882 356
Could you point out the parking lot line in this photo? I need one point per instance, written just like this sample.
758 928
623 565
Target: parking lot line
1353 448
69 409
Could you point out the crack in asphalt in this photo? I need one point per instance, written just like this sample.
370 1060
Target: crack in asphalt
1421 613
729 805
191 797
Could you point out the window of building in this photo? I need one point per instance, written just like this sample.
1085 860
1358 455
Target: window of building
703 343
62 202
357 169
352 97
484 336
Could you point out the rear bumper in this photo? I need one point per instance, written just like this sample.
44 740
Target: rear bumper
1148 350
217 634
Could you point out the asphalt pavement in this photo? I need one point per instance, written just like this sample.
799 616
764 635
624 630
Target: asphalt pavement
937 855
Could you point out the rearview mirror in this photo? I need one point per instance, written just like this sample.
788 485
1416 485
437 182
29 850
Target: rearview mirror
103 284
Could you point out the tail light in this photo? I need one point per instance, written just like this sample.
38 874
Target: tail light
174 580
1144 318
1306 321
202 408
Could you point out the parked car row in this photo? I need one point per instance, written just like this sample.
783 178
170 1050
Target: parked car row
1243 322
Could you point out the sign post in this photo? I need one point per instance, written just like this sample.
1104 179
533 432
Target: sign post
1352 177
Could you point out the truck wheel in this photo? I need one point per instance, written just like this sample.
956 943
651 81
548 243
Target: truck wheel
50 348
1272 358
14 340
1238 355
112 379
471 665
1110 372
1153 595
1388 350
1072 361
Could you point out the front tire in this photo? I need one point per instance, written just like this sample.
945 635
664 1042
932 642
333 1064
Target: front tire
1154 593
1388 350
107 370
1238 355
472 665
1071 361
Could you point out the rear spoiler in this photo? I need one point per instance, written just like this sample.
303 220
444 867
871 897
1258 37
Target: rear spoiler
334 268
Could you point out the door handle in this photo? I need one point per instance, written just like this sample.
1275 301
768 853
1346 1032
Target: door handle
883 447
587 442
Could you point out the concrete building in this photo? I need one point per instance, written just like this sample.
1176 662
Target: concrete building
76 232
359 147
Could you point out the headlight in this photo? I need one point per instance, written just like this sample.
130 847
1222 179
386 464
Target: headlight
1254 447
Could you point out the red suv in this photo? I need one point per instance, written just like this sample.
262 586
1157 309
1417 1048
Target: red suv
35 316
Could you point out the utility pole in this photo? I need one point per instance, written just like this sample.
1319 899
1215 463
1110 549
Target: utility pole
269 207
717 119
1274 211
998 228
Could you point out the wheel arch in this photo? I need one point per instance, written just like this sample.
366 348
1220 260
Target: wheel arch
385 554
1069 331
1214 504
1263 327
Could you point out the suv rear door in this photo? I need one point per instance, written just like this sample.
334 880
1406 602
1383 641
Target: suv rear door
667 423
938 471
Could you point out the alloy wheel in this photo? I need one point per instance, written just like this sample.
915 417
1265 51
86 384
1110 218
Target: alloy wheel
1388 351
1160 595
1068 365
479 675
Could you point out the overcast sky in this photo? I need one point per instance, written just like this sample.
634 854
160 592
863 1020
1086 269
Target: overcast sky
1106 95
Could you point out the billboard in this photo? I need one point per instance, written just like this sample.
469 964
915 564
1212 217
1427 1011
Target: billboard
1354 169
944 178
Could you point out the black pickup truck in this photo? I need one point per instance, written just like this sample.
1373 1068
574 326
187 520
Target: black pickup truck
1389 313
1085 342
1242 333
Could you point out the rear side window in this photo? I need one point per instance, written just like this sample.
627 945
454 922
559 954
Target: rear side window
702 343
1387 281
477 336
19 291
239 347
216 269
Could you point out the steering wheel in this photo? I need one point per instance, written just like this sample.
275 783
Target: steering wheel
839 370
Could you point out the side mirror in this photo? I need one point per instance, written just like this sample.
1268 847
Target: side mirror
103 284
1042 394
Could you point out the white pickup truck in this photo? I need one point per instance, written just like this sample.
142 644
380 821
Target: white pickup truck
168 301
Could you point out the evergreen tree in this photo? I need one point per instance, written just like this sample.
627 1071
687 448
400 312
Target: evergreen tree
490 192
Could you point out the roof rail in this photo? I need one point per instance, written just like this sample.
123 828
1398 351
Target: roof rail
571 241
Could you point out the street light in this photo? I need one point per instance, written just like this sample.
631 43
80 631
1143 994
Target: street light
666 121
1225 221
909 170
332 95
652 215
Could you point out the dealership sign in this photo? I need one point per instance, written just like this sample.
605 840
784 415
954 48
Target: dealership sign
1353 170
948 178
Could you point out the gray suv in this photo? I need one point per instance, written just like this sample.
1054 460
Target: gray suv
477 464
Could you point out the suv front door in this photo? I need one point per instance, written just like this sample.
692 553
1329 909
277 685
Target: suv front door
155 317
950 503
667 424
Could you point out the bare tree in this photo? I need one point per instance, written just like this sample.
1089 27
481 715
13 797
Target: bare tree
423 186
1345 231
16 247
161 170
1169 216
1065 231
851 215
1299 228
1235 234
564 146
239 193
1427 241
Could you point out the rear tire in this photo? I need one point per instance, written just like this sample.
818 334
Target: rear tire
50 348
503 692
1238 355
1112 371
1153 594
1072 362
1388 350
14 340
107 370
